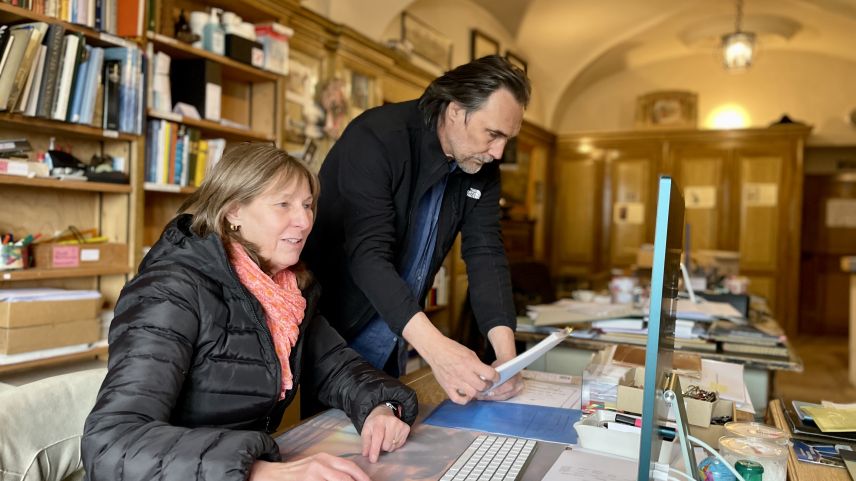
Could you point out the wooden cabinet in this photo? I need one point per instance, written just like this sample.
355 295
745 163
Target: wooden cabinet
743 192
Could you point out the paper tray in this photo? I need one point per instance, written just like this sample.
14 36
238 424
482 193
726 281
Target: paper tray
594 436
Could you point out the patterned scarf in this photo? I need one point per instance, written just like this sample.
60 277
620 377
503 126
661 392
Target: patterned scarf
281 300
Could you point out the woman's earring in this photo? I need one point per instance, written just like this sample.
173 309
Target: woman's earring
234 228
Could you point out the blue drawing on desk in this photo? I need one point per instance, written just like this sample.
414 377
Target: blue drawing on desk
521 420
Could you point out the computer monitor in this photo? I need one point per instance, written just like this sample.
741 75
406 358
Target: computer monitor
665 273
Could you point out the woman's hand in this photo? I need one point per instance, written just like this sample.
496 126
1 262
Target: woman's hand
318 467
382 430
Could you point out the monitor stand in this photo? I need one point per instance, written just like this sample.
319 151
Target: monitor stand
673 395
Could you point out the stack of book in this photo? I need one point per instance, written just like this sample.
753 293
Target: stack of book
176 155
50 73
764 338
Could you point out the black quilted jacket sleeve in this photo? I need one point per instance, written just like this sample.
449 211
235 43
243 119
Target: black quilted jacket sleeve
128 435
346 381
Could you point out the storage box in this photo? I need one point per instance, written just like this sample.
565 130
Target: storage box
244 50
198 82
57 256
699 413
593 435
34 313
274 39
48 336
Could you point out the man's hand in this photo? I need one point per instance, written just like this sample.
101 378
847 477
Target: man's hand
457 369
382 430
502 340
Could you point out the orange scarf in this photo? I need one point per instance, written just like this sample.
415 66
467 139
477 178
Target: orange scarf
281 300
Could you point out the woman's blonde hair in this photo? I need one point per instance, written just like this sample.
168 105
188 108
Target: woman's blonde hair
243 173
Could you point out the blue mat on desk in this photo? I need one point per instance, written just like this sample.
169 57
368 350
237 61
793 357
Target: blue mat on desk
509 419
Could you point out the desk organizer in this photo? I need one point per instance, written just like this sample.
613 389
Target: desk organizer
593 435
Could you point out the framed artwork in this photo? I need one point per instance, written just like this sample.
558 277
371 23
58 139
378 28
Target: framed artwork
481 44
516 61
669 109
300 109
426 42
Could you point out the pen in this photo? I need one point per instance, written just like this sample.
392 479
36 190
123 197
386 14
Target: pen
666 433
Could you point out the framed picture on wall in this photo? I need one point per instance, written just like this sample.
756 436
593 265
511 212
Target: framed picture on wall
667 109
516 61
426 42
482 44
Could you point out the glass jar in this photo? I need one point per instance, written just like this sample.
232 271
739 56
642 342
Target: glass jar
773 457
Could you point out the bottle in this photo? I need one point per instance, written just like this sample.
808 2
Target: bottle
750 470
213 37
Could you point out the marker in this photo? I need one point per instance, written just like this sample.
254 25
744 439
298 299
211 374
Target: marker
666 433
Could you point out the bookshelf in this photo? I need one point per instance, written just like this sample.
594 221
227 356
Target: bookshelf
251 109
49 206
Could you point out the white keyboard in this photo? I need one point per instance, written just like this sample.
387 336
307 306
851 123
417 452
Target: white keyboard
496 458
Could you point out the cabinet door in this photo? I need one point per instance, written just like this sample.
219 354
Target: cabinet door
760 208
702 174
576 213
631 172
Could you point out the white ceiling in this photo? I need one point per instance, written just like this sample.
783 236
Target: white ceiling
572 44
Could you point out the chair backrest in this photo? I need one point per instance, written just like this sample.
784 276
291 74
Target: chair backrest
41 424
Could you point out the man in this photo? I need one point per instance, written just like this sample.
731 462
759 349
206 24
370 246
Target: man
396 189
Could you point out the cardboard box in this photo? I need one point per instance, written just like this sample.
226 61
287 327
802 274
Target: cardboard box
699 413
35 313
59 256
47 336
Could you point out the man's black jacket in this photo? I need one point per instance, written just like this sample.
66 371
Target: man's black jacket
371 183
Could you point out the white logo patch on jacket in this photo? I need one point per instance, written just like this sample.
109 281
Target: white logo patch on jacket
474 193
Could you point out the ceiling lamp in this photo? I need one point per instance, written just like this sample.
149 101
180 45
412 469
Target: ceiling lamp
739 46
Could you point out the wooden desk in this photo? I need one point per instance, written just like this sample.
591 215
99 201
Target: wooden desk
798 471
848 264
572 356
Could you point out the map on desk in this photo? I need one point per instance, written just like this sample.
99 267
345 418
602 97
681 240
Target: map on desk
426 455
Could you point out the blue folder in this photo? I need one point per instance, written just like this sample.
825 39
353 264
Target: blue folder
509 419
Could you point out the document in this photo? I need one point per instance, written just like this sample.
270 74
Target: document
508 369
508 419
575 464
540 389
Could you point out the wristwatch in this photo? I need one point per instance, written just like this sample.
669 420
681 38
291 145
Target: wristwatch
395 407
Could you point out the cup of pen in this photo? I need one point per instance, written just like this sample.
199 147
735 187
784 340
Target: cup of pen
13 257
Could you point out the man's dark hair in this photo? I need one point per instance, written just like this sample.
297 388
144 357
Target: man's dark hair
471 84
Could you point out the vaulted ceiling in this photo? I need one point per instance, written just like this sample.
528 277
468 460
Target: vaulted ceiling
572 44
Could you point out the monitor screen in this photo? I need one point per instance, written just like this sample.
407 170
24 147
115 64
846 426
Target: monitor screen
665 273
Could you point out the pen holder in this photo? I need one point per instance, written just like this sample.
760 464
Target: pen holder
14 257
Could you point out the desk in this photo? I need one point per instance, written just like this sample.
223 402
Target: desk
848 264
429 450
798 471
573 355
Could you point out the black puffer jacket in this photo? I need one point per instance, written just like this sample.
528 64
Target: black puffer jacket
193 380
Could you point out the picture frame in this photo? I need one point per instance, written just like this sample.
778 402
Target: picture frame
517 61
426 42
482 44
667 109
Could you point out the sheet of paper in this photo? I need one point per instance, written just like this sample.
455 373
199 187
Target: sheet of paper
725 378
831 420
575 464
509 368
541 393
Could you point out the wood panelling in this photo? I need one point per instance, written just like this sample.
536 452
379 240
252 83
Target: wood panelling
743 189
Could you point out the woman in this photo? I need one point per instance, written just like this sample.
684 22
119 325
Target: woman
211 339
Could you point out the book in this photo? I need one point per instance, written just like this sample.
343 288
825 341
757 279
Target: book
33 80
806 432
16 47
90 88
79 82
763 350
47 90
727 331
111 78
26 65
72 45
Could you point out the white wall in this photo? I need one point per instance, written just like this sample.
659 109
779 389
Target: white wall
816 89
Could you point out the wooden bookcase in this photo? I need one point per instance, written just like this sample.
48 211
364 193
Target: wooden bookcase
250 96
48 206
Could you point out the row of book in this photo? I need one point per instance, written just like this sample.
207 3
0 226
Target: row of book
49 73
117 17
177 155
